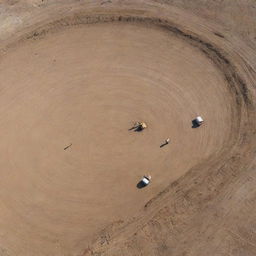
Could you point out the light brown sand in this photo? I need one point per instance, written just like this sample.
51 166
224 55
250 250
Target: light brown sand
82 81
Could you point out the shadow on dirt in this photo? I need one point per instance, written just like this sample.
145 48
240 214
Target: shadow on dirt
164 144
195 124
136 129
141 185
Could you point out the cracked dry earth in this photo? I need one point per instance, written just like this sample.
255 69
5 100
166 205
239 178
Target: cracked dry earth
75 76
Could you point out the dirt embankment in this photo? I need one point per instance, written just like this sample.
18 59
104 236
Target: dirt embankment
79 75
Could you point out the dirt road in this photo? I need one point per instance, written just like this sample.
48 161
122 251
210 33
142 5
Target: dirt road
75 77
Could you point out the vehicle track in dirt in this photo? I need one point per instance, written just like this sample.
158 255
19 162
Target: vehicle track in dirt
88 77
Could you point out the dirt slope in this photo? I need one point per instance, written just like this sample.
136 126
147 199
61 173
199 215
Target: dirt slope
75 76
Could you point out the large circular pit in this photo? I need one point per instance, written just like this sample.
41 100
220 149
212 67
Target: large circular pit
69 161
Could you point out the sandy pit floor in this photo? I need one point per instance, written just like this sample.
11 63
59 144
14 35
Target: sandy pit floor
73 83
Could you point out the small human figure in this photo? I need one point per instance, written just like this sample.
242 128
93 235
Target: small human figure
165 143
68 146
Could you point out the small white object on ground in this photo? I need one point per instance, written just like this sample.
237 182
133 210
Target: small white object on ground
146 179
199 120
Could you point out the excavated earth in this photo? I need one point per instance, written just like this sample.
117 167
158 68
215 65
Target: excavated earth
75 76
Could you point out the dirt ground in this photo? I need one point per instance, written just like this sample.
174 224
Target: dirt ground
75 76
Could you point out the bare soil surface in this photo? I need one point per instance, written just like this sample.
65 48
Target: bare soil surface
75 77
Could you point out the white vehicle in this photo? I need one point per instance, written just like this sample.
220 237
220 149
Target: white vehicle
199 120
146 180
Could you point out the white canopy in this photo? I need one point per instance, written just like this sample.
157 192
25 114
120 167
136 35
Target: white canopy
145 181
199 119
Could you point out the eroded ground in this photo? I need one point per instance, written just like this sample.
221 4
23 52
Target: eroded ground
74 79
